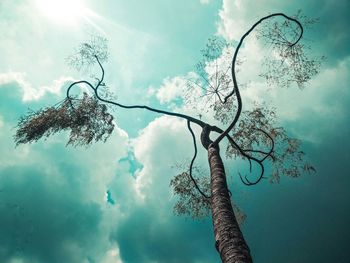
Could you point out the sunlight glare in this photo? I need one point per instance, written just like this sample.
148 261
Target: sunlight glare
67 12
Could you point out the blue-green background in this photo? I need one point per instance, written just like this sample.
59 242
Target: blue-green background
112 202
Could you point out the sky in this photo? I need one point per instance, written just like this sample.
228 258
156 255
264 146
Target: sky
111 202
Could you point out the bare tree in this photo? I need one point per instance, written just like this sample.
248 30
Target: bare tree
251 134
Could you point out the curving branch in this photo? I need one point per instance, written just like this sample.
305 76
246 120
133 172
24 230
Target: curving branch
74 84
251 158
175 114
248 183
269 153
193 159
235 85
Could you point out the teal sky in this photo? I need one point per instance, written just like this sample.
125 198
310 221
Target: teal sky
111 202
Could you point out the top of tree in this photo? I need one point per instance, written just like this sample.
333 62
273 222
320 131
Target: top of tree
85 55
292 59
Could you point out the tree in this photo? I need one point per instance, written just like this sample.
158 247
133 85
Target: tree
251 134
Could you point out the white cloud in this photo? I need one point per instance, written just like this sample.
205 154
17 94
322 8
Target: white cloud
165 142
29 92
171 89
322 102
158 147
232 20
236 17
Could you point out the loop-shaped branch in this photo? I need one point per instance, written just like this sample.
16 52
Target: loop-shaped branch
250 159
261 176
77 83
267 154
235 88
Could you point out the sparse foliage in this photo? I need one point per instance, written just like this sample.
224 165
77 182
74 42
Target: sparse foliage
212 80
190 202
290 62
85 55
286 158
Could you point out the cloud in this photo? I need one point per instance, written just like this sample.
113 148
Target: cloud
52 198
232 22
322 104
42 223
153 144
149 231
1 122
29 92
236 17
171 89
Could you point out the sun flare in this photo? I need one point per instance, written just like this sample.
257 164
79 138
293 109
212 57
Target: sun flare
67 12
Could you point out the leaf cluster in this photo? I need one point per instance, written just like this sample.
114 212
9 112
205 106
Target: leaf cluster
190 202
289 62
287 157
212 80
86 53
86 119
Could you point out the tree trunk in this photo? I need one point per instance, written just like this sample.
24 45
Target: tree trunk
228 236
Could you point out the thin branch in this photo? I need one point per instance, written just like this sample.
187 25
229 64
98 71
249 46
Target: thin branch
196 84
179 115
250 159
206 80
193 159
261 152
76 83
272 144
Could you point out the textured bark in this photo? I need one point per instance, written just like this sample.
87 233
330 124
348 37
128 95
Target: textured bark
228 236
